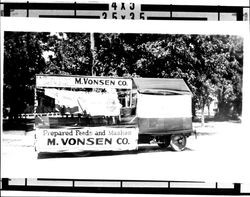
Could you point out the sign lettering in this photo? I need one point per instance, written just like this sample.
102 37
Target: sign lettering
88 138
82 82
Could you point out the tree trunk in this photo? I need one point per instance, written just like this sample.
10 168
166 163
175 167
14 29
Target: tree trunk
193 109
221 104
92 47
208 108
202 116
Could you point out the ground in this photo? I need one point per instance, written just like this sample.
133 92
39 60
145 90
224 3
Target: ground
219 153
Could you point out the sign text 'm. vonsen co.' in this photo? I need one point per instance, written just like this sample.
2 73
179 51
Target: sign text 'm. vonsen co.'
102 82
83 82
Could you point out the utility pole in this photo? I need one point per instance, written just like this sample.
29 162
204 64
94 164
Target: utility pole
92 48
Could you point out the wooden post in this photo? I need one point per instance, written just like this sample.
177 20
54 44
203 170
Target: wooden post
35 101
131 98
92 48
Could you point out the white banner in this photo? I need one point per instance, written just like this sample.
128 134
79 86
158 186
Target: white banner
92 103
82 82
86 139
160 106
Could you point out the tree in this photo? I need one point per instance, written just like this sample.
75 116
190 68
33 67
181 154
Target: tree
208 63
229 68
211 65
22 60
71 54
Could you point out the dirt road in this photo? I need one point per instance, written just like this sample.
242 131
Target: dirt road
218 154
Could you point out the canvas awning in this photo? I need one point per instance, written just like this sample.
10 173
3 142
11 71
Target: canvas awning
161 85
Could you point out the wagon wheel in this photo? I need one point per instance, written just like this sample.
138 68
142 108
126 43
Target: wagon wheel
178 142
164 141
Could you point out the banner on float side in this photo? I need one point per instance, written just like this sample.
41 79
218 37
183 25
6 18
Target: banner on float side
43 81
86 139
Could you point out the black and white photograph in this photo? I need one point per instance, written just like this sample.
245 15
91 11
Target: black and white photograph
124 100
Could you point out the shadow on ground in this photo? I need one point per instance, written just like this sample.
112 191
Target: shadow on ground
205 133
141 150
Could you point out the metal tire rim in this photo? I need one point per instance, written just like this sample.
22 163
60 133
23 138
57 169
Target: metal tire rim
178 142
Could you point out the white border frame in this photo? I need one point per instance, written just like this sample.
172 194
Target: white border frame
238 173
120 26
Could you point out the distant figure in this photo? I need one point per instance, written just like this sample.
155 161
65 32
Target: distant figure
63 110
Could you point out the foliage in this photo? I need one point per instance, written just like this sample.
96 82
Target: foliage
22 60
211 65
71 54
